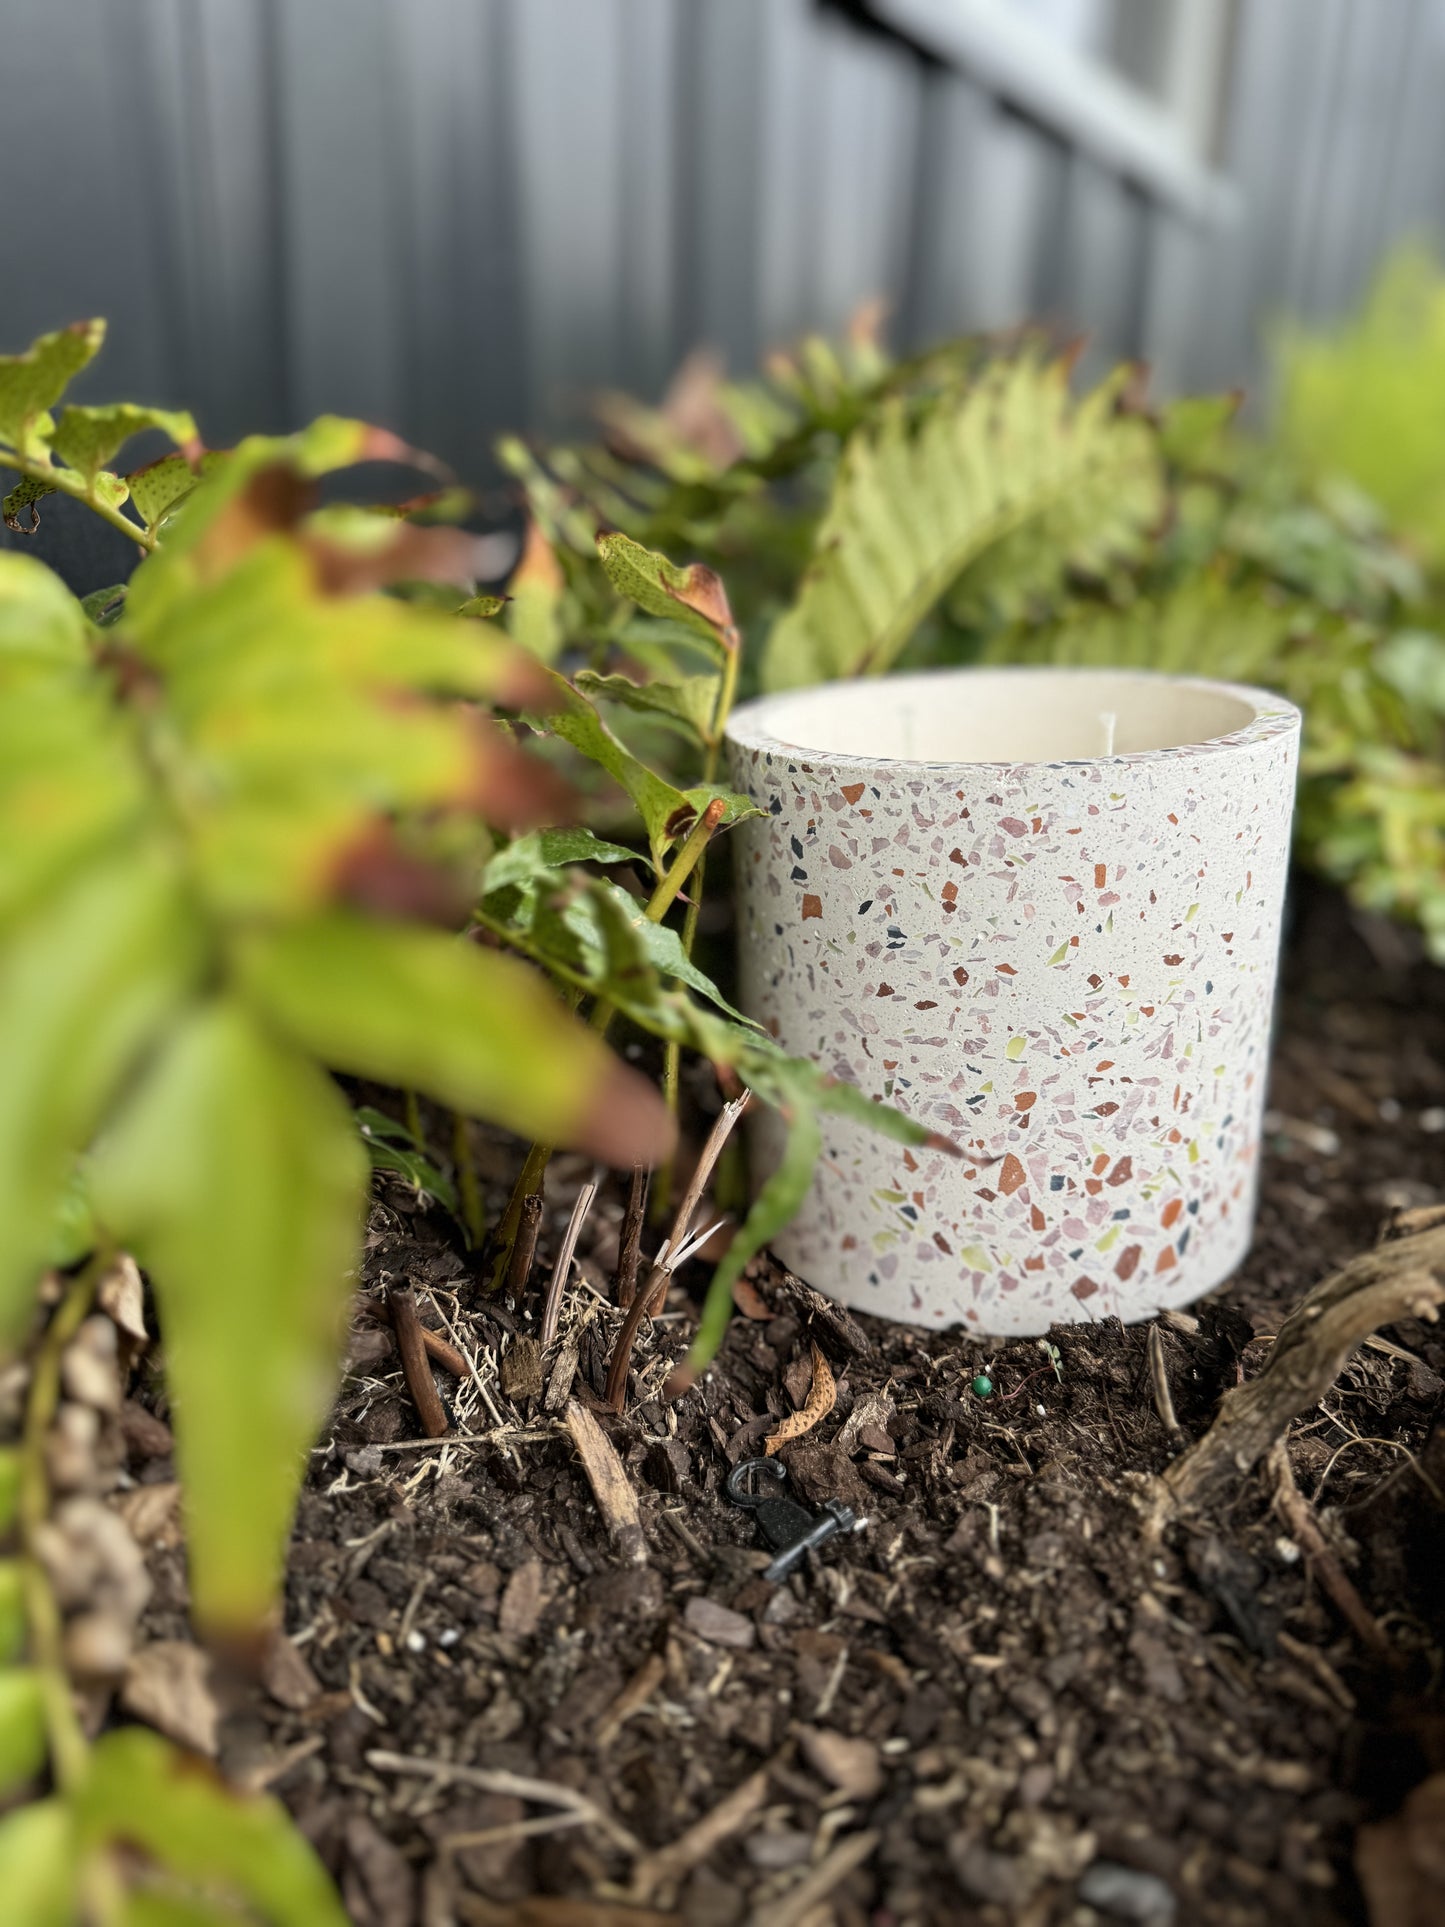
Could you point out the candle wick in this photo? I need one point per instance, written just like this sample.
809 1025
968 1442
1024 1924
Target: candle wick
1109 719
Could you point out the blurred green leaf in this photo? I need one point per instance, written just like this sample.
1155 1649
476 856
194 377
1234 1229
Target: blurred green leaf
1413 663
42 626
105 607
31 383
9 1486
235 1177
39 1866
23 1747
85 987
12 1612
173 1808
534 598
152 1907
475 1030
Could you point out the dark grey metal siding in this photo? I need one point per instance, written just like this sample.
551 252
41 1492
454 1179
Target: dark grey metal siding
458 215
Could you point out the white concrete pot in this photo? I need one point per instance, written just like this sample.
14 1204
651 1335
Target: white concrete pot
1038 910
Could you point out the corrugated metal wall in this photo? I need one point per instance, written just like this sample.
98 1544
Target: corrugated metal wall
458 215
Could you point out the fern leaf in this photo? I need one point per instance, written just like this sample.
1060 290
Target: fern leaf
1011 463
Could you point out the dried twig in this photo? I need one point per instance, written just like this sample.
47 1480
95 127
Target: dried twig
1159 1377
515 1785
629 1249
524 1246
649 1300
671 1864
1295 1509
552 1305
633 1697
1401 1279
437 1348
401 1302
611 1488
798 1902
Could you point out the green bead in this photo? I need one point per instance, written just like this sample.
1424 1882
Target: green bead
983 1385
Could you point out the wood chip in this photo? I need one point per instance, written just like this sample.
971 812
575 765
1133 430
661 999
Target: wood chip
673 1863
821 1399
853 1766
522 1368
167 1684
522 1602
146 1436
616 1500
286 1675
153 1514
121 1296
718 1624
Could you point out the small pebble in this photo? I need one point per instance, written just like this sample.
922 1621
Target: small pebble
449 1637
1127 1893
1041 1412
1390 1109
983 1385
1433 1120
416 1642
1287 1550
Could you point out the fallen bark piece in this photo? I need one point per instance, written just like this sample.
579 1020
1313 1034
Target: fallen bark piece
146 1436
718 1625
551 1910
611 1488
167 1684
672 1864
287 1676
522 1602
522 1368
853 1766
1401 1861
1403 1278
633 1697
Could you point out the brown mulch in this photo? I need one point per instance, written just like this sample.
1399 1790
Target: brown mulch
998 1703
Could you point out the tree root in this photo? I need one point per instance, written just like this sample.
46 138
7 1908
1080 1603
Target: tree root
1403 1277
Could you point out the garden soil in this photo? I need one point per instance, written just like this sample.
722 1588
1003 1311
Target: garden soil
998 1703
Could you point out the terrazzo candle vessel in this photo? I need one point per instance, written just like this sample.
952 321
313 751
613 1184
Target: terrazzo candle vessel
1039 910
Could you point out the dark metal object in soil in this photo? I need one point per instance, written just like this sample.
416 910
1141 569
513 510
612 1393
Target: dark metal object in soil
789 1528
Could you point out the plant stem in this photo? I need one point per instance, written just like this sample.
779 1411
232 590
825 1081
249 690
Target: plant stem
469 1192
60 480
413 1119
68 1749
687 862
672 1055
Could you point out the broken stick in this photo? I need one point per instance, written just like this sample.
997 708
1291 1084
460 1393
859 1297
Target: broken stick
611 1488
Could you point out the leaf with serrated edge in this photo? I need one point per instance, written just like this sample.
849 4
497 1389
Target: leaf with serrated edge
471 1029
140 1790
236 1178
31 383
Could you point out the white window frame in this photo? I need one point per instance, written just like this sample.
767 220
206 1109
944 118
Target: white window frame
1157 146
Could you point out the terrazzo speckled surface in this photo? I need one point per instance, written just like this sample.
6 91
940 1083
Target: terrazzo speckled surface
1066 966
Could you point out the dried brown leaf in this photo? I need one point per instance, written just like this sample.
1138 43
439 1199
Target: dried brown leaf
819 1402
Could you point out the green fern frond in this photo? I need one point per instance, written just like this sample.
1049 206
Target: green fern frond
1010 462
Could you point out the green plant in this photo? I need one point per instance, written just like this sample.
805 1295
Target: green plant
246 800
962 507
